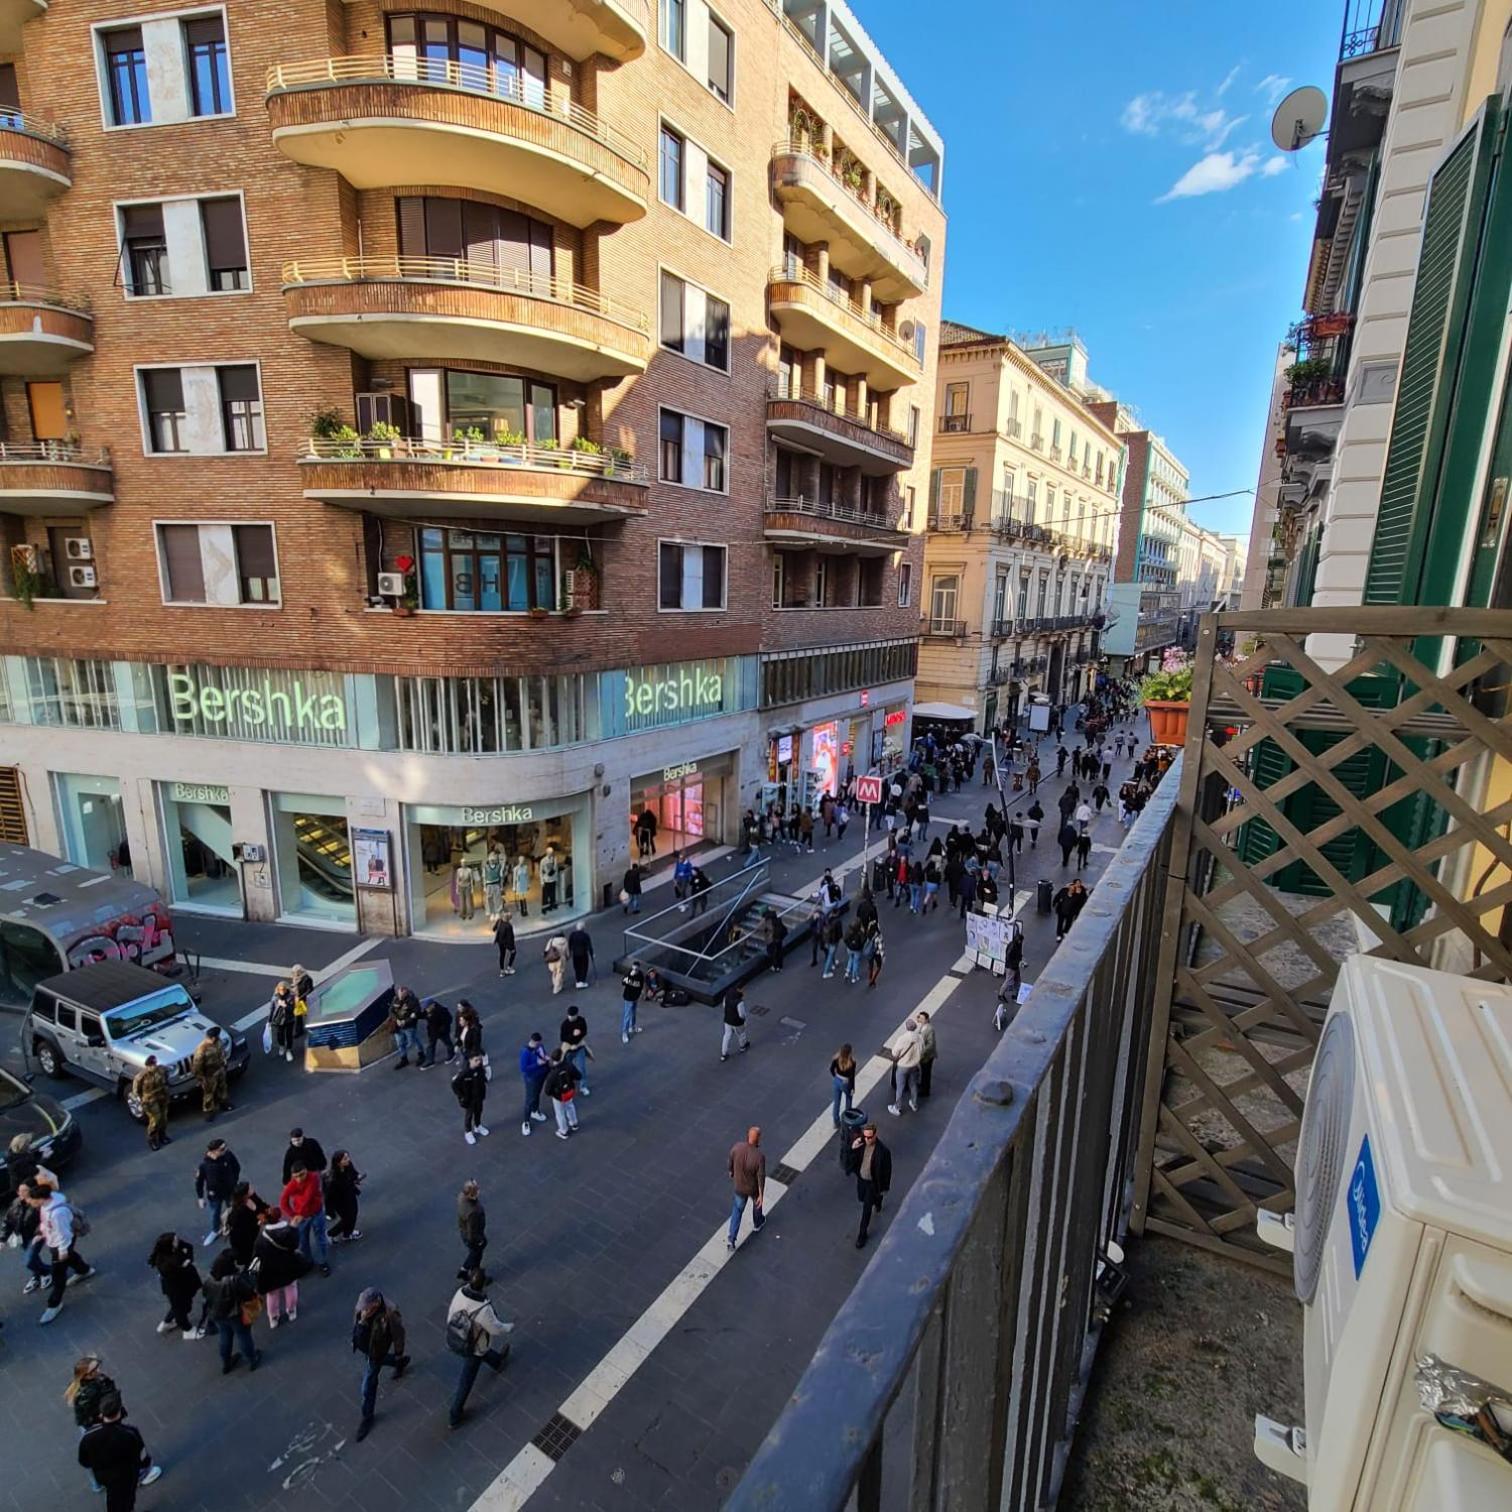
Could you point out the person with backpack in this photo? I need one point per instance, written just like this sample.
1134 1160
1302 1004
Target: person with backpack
561 1089
229 1292
472 1226
555 956
534 1064
62 1226
504 942
343 1188
470 1088
475 1331
855 943
277 1266
378 1336
734 1023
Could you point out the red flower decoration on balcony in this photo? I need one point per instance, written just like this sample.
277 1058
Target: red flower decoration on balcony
404 563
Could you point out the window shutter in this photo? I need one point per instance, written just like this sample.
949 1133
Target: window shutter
671 311
934 492
10 95
124 39
493 237
164 388
670 596
204 29
443 227
238 381
542 251
254 551
181 558
968 494
411 226
1451 232
142 222
225 243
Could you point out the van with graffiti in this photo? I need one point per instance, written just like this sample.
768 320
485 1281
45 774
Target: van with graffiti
55 916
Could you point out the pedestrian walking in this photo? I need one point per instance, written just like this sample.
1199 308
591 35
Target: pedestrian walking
475 1331
906 1054
875 953
843 1078
85 1393
968 891
469 1032
1068 903
816 921
277 1266
832 932
873 1176
573 1038
378 1336
472 1226
534 1064
1083 817
61 1226
774 937
1083 851
281 1019
1016 827
928 1050
504 942
734 1023
1100 795
842 819
632 985
215 1180
302 1149
404 1016
438 1032
630 889
302 1202
172 1257
150 1089
116 1458
470 1087
555 956
1067 839
580 948
1034 775
561 1089
22 1229
208 1063
343 1190
230 1294
645 832
748 1179
242 1221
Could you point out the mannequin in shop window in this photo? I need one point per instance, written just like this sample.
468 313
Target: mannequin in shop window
464 880
550 870
521 885
493 883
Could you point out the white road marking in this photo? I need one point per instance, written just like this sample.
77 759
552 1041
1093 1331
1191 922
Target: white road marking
82 1099
527 1471
361 948
252 968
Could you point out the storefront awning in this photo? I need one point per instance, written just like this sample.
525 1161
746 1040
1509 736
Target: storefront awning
943 711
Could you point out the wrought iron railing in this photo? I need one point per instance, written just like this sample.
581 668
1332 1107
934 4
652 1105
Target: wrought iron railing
791 270
832 509
955 425
1371 26
965 1347
945 629
462 452
506 85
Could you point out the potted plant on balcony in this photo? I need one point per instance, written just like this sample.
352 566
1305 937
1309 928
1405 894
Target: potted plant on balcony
562 458
406 605
385 438
586 448
1167 697
28 580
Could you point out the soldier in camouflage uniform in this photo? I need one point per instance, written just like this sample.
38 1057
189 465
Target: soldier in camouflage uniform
209 1066
150 1088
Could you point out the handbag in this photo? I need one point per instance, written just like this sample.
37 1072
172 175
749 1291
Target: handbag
251 1309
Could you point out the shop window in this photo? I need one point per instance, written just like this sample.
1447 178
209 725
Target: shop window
74 692
692 576
483 571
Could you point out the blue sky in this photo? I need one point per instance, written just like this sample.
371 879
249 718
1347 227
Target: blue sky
1109 167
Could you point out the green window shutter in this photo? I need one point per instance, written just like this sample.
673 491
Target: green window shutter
1435 329
934 492
968 495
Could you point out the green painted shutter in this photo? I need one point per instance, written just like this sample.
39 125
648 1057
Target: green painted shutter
934 495
1452 226
968 494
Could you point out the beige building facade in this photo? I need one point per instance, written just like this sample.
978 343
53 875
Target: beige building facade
1023 500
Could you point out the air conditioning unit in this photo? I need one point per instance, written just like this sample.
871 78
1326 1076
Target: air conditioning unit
78 548
391 585
1402 1240
81 577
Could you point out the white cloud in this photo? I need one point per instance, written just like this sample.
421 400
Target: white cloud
1273 86
1228 79
1154 112
1272 166
1213 174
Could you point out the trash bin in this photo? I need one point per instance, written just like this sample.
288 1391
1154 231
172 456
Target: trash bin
1043 895
851 1124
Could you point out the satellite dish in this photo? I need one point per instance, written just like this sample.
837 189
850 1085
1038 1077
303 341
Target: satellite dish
1299 118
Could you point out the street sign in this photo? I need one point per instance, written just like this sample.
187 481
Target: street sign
868 790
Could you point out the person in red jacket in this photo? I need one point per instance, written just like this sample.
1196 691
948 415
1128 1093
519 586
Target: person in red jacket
303 1204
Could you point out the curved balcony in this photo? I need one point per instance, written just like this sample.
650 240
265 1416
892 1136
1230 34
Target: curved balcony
817 525
814 316
13 15
846 438
616 28
473 480
446 309
35 166
42 331
385 122
53 478
819 206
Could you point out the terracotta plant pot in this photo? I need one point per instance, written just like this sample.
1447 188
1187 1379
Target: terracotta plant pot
1168 720
404 611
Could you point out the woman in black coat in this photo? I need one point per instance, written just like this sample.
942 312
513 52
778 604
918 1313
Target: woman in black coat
243 1220
173 1259
277 1266
343 1183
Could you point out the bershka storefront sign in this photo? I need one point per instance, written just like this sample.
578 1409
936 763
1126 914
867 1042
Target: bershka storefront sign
682 769
689 691
505 813
296 707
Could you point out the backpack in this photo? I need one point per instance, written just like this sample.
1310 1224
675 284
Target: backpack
675 997
80 1222
460 1329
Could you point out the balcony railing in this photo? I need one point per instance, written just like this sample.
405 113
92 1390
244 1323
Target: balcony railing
40 294
1371 26
794 390
829 509
945 629
469 78
44 131
976 1323
462 453
791 270
950 524
54 451
1316 392
955 425
460 270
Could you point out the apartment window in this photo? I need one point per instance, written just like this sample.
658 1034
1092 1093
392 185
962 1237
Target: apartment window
225 244
241 407
952 490
671 446
671 158
957 405
1055 433
1099 470
513 247
209 65
1044 593
1000 599
943 594
126 71
498 404
673 317
721 59
905 584
716 333
145 249
477 571
921 337
496 61
779 578
1023 596
692 577
678 433
163 394
1037 435
913 425
716 440
694 323
1071 449
194 564
1050 507
1030 501
821 582
674 15
717 202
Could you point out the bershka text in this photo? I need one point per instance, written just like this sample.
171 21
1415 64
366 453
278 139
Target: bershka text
682 691
295 709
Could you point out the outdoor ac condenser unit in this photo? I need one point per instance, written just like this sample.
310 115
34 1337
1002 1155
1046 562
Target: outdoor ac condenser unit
391 584
1402 1242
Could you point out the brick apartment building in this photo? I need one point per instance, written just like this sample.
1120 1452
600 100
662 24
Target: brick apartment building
428 425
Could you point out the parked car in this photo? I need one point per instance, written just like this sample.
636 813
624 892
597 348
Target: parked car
54 1131
100 1024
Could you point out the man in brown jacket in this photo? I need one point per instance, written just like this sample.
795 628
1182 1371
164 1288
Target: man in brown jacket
748 1177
